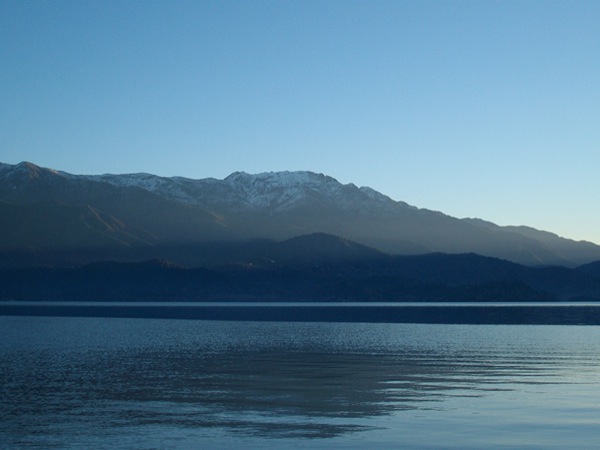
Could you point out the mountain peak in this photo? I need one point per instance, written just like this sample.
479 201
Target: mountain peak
27 170
279 190
326 246
281 178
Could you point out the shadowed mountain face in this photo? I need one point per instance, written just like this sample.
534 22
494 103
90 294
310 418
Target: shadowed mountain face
592 269
54 216
271 271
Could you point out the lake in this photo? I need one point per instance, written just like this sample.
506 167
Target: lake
97 382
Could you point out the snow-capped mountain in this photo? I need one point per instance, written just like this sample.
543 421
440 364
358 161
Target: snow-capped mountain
273 191
42 209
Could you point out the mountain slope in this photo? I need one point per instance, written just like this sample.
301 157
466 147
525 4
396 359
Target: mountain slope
592 269
148 218
576 252
143 211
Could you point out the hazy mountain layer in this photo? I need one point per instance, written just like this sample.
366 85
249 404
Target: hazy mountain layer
295 270
58 218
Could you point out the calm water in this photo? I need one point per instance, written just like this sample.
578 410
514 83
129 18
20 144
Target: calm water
152 383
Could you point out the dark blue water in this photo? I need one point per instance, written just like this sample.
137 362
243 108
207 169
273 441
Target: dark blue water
549 313
157 383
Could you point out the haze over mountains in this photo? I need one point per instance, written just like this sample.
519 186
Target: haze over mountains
56 218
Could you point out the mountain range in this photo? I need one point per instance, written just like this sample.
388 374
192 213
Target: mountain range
50 217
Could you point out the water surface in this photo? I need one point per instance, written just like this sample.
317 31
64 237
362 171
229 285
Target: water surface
72 382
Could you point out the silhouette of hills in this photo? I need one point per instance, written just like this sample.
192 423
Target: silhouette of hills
315 267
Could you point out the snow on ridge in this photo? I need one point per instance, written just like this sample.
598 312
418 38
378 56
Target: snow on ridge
269 189
280 190
277 191
376 195
281 178
273 191
153 183
168 187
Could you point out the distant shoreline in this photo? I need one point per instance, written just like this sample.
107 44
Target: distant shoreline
501 314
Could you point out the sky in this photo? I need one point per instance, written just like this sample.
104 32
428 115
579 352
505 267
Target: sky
486 109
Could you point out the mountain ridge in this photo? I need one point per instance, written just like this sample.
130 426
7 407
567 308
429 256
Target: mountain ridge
146 210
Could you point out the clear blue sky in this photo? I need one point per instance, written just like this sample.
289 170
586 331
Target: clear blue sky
475 108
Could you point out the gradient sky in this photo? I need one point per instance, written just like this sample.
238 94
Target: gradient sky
485 109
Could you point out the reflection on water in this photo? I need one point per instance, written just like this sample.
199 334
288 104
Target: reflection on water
137 383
